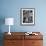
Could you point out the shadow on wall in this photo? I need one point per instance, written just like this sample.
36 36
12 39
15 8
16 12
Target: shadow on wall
2 21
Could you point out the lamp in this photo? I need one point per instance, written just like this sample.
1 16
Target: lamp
9 21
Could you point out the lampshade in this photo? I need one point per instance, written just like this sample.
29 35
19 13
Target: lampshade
9 21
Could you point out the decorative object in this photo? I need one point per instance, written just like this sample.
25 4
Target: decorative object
9 21
27 16
30 33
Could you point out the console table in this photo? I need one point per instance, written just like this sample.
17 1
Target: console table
21 39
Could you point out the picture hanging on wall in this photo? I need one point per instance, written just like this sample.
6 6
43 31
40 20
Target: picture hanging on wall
27 16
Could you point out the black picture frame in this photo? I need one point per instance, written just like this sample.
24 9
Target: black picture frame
27 16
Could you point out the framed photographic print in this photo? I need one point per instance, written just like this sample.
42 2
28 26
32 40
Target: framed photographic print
27 16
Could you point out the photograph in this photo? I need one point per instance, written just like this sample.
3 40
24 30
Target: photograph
27 16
